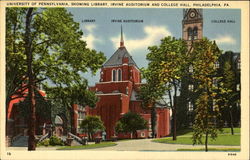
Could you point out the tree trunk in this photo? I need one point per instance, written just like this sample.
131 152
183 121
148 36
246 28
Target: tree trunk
174 114
31 94
231 120
153 120
206 141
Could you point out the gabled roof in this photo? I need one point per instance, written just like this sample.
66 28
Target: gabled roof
116 58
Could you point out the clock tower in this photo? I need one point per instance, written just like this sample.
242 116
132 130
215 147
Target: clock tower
192 25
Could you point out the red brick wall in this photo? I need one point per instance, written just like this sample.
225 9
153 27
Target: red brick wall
163 121
109 109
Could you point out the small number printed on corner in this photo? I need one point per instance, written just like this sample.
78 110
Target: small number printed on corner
232 154
8 154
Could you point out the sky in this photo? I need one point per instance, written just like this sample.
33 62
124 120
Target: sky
101 34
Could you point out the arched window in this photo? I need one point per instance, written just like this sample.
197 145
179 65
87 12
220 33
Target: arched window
119 75
195 33
190 33
113 75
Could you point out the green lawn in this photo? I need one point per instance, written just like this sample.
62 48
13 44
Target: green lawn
224 138
90 146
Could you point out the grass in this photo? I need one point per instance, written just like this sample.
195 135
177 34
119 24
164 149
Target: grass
210 149
90 146
224 138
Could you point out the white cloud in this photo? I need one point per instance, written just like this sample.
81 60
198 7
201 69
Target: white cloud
153 35
89 37
225 39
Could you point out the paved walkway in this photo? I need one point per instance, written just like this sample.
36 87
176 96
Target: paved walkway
148 145
137 145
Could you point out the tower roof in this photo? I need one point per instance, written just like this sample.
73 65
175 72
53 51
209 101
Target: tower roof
116 58
120 53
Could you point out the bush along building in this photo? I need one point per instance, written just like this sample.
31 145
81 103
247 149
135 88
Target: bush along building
117 91
192 31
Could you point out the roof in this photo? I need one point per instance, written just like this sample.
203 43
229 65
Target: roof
116 58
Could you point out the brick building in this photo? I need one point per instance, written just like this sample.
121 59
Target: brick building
117 91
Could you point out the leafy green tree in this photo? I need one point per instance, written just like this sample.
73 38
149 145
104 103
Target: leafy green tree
92 125
131 122
167 63
67 96
45 44
150 93
227 93
207 113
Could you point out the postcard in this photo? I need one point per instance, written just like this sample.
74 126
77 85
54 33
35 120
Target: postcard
124 80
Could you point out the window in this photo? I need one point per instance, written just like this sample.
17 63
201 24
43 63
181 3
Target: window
190 69
190 33
142 134
238 64
191 87
214 105
190 106
195 33
119 75
215 82
217 65
114 75
238 87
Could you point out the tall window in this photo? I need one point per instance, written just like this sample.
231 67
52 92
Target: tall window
195 33
114 75
190 106
190 33
119 75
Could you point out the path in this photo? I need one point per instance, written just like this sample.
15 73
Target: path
148 145
137 145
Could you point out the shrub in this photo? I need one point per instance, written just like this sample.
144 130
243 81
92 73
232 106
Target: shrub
55 141
52 141
43 143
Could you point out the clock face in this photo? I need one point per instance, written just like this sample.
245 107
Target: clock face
192 14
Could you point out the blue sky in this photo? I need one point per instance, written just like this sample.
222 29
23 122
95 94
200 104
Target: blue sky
104 35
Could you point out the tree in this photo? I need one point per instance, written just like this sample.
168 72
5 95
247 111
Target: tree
150 93
67 96
131 122
207 113
228 95
45 44
165 69
92 125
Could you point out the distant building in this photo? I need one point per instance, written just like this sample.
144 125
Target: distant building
17 120
192 30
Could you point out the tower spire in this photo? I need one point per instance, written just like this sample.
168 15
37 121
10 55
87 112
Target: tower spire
122 41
